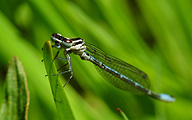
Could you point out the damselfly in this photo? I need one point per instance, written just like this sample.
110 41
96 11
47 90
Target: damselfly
117 72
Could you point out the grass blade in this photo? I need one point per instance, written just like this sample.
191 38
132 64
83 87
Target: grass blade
59 95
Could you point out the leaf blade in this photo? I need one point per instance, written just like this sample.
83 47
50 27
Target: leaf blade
16 102
59 95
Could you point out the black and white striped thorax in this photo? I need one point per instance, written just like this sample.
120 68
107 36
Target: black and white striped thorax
73 45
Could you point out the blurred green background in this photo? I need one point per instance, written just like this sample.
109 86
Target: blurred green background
155 36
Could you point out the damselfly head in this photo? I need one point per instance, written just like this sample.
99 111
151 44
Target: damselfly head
74 45
60 41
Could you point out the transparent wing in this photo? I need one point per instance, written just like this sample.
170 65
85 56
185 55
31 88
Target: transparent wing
120 66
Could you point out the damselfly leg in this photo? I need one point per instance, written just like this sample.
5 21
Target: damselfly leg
57 55
62 67
68 63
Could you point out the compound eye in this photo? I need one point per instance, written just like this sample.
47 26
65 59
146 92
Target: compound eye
68 41
54 35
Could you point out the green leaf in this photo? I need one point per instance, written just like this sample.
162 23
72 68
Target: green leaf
16 102
59 95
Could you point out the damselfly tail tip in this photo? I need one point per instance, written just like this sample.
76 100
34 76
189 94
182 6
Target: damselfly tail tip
167 98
